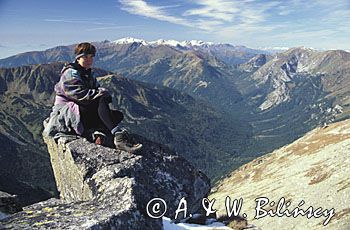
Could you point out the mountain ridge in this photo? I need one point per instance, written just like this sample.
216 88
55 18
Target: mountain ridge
262 104
226 51
272 88
163 115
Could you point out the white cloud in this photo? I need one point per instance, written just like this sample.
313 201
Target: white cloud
221 10
252 20
207 26
284 10
303 34
109 28
141 7
236 12
209 15
80 21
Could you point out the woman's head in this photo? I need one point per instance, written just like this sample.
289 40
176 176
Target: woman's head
84 54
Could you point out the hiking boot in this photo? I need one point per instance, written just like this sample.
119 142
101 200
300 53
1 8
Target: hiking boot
98 137
122 142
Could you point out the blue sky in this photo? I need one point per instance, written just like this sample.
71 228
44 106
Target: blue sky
27 25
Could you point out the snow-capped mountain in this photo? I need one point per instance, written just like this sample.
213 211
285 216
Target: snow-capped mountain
273 50
174 43
139 49
130 40
228 53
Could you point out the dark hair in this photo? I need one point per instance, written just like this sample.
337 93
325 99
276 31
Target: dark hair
85 48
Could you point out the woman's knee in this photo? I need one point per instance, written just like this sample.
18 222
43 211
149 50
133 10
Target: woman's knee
106 99
119 116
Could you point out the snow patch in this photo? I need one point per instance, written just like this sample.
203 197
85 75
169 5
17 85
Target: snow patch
177 43
338 109
165 42
274 49
128 114
203 84
129 40
12 138
173 43
168 225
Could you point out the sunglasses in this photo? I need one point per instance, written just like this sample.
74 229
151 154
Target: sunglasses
89 56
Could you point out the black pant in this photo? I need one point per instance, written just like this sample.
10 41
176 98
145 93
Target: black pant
98 115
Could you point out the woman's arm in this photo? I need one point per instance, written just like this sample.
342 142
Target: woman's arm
73 87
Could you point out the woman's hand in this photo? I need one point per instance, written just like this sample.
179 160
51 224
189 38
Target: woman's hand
101 92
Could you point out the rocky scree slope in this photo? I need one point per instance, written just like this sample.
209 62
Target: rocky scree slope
315 169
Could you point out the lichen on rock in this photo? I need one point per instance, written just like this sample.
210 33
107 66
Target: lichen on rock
102 188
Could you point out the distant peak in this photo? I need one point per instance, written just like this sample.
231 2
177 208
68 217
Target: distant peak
303 48
165 42
300 50
175 43
276 49
129 40
196 43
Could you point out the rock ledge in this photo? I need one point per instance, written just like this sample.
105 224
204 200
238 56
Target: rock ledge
103 188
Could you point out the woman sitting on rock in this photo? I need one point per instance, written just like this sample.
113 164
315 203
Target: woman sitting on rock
82 105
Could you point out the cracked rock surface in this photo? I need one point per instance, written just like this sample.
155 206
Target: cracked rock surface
104 188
